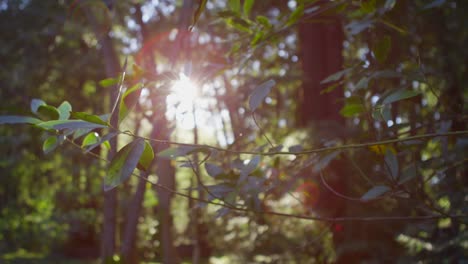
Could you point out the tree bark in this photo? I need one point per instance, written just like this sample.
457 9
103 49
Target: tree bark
113 69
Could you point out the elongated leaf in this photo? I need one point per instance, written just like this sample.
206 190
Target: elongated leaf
325 160
392 164
129 100
199 11
259 94
50 144
68 124
88 118
399 95
264 21
295 15
375 192
48 112
350 110
251 166
146 157
90 139
235 5
64 110
35 103
103 140
19 120
213 170
109 82
336 76
382 48
248 4
123 164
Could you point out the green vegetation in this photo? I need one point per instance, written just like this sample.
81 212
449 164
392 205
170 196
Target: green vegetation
234 131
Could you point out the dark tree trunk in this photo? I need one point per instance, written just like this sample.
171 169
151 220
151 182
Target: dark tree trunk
113 69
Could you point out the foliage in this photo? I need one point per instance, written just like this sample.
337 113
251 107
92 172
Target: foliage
403 147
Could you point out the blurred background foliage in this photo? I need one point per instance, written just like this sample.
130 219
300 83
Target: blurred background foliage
399 69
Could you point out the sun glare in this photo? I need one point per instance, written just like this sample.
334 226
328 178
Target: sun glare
185 90
182 101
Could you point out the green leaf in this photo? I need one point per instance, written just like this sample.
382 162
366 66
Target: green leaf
264 21
382 48
336 76
259 94
248 4
64 110
375 192
48 112
129 100
226 14
35 103
399 95
350 110
103 140
89 118
368 6
392 164
213 170
90 139
123 164
146 158
109 82
295 15
19 120
68 124
199 11
234 5
50 144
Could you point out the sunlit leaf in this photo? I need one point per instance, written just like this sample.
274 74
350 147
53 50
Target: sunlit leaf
19 120
109 82
103 140
248 4
123 164
88 118
64 110
295 15
129 100
375 192
50 144
234 5
68 124
90 139
146 157
259 94
350 110
264 21
382 149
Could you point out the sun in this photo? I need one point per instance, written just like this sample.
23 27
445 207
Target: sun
185 90
183 101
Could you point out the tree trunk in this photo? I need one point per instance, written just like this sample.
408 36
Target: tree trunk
113 69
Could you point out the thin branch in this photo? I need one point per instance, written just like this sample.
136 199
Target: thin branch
261 130
305 152
305 217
